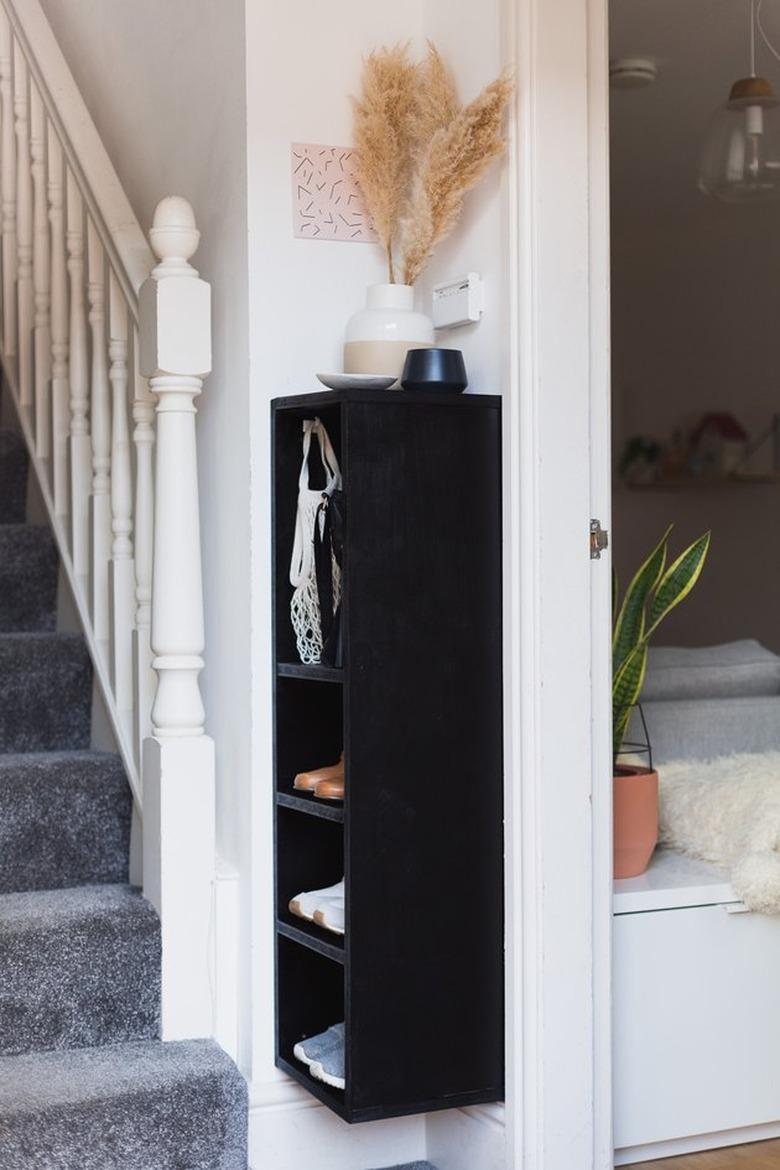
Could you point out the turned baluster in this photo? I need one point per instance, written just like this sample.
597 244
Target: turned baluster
100 406
178 761
24 232
60 388
122 573
143 438
80 447
41 275
8 185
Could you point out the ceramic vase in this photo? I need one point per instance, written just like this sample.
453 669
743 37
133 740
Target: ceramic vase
378 337
635 819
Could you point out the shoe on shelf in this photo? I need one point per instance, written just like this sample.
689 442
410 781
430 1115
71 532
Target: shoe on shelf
330 914
308 781
330 789
324 1055
307 904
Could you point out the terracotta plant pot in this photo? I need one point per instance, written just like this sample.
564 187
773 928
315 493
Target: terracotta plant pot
635 819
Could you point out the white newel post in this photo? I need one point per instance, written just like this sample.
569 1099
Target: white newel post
178 761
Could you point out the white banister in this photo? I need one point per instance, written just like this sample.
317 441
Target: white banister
8 186
24 231
78 377
100 408
175 337
60 389
86 318
122 576
41 275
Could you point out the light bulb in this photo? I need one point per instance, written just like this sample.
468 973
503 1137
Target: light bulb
740 161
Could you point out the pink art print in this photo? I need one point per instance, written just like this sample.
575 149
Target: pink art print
326 200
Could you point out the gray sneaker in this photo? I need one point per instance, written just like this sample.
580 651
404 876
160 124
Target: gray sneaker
324 1054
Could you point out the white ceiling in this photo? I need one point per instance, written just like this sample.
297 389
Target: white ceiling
700 47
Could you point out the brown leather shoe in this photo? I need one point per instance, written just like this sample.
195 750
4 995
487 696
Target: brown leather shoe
331 788
308 781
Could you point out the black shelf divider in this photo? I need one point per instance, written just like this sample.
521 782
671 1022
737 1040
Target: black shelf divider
313 937
302 670
311 806
419 976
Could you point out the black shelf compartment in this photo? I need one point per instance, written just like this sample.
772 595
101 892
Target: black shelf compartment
418 977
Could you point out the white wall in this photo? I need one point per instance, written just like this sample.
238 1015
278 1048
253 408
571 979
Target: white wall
164 83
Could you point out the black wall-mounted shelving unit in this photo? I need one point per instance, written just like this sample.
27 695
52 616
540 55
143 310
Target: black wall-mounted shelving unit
418 977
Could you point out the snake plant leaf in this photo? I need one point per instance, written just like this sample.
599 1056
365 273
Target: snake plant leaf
630 622
626 688
677 582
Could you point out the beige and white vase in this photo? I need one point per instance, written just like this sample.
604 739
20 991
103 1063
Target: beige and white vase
378 338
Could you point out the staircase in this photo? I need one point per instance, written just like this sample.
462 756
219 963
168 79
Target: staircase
84 1080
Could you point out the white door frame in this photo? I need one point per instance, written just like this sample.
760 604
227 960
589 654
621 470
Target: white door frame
557 444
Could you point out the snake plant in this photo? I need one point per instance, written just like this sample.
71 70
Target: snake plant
654 592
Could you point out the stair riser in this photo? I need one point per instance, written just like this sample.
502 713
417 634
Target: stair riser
45 694
13 478
28 580
81 983
64 821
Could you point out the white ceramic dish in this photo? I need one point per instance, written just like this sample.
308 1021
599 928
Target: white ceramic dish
357 381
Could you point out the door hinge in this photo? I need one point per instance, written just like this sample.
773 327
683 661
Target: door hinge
599 540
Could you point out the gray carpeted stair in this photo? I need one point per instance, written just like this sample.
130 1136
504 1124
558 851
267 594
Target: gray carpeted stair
132 1107
45 693
13 477
84 1082
78 968
64 820
28 578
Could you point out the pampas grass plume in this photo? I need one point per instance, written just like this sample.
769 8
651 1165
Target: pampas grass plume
455 159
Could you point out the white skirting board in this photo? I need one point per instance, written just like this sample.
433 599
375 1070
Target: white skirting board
467 1139
289 1129
692 1145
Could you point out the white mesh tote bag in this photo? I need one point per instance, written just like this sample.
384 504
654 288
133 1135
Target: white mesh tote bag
305 606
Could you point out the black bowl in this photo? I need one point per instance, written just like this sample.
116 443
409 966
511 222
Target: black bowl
435 371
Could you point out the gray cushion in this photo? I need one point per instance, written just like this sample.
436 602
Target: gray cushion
711 672
703 729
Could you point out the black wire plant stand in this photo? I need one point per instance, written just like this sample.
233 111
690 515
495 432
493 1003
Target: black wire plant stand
641 747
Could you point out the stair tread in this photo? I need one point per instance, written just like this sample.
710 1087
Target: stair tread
144 1105
78 967
64 820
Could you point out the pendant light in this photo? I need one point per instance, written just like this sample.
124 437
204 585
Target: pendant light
740 160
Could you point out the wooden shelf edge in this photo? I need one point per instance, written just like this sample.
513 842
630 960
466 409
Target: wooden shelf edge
311 941
311 806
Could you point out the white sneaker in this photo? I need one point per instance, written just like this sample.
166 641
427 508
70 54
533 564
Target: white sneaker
330 914
307 904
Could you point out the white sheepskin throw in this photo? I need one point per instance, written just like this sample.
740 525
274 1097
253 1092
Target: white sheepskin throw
727 811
